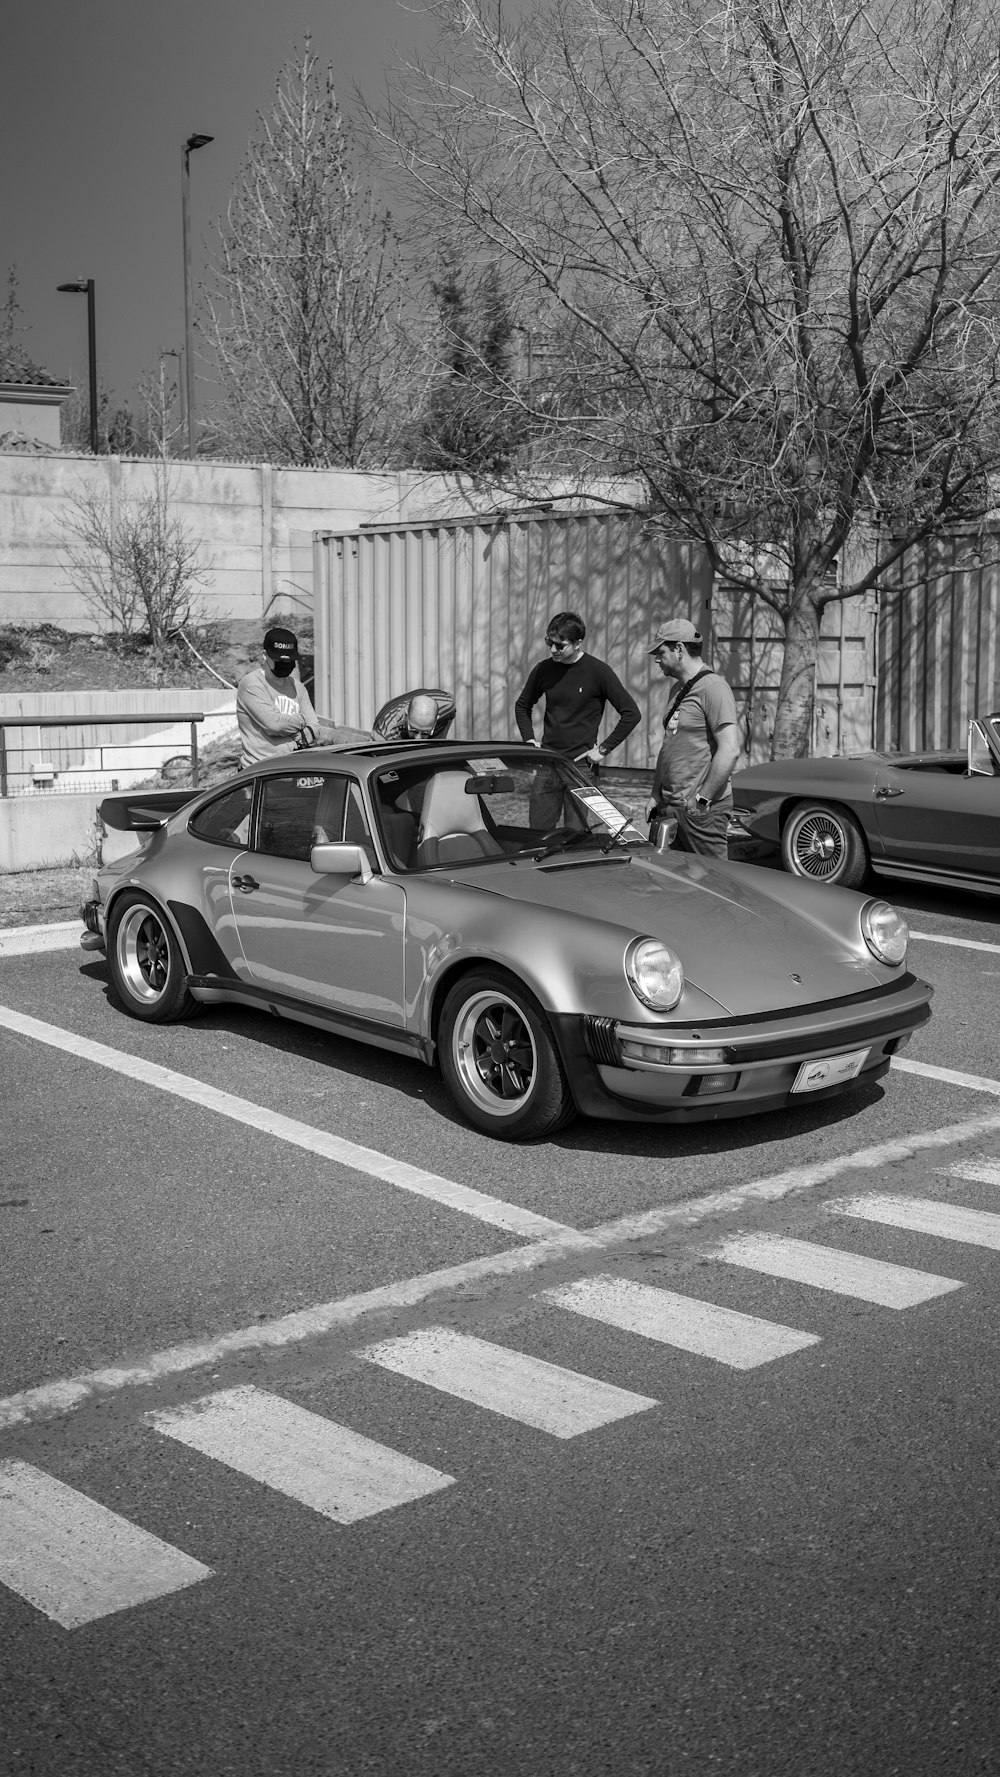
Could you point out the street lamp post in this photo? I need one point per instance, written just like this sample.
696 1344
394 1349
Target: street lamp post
172 352
190 145
85 287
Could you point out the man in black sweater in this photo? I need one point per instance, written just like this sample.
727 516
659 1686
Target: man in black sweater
576 688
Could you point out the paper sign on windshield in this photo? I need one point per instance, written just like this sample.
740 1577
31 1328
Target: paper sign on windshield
604 810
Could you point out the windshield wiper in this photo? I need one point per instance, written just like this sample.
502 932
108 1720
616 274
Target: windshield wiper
615 838
553 842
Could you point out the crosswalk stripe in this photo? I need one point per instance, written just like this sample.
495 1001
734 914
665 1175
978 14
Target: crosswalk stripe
977 1172
529 1389
921 1215
323 1465
75 1560
740 1340
846 1274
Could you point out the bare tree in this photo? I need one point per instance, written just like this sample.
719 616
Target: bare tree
467 423
134 562
763 241
306 298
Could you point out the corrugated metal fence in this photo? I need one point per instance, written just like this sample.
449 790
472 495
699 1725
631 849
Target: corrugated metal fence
938 621
465 605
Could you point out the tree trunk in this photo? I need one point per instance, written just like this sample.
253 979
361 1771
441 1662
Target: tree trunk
793 721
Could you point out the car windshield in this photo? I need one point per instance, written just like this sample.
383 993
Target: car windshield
475 810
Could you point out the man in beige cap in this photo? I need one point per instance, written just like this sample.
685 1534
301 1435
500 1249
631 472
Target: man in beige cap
701 743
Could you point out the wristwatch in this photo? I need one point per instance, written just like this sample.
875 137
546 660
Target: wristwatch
703 801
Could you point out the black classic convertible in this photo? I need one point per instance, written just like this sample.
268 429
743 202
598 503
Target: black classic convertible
930 817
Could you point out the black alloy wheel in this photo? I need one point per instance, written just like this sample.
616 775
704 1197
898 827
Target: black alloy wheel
145 962
499 1059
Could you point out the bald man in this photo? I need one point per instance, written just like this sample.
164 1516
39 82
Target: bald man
423 714
421 717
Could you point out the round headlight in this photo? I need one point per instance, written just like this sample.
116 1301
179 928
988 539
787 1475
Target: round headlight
654 973
884 931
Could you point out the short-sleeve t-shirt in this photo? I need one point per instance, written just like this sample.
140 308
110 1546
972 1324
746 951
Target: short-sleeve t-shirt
689 739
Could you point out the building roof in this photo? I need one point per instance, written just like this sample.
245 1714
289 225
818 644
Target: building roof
22 374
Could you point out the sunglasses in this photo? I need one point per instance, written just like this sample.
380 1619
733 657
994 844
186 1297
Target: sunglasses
554 642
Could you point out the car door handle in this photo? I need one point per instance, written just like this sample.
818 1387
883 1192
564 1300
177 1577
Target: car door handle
245 884
883 793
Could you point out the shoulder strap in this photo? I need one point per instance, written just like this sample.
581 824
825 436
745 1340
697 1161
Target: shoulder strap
679 699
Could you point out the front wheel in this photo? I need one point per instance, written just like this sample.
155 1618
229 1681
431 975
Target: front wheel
145 962
824 844
499 1060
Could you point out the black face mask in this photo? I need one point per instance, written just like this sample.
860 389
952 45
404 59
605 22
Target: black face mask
282 667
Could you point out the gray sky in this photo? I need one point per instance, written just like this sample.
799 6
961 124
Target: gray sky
99 97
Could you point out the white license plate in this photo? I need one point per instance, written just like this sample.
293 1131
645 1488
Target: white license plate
833 1070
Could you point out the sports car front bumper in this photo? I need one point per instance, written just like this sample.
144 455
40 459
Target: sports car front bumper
752 1064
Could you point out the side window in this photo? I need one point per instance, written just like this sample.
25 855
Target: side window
980 756
300 810
226 821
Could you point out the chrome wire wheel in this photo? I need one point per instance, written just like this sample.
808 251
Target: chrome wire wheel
494 1053
824 844
142 951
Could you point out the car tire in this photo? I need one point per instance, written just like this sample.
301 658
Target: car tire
145 962
823 843
522 1097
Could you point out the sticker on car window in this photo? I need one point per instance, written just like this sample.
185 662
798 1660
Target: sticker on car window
308 783
603 809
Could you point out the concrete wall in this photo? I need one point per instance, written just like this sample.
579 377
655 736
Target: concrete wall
46 832
255 525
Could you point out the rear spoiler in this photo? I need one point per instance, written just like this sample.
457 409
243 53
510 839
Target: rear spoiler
144 811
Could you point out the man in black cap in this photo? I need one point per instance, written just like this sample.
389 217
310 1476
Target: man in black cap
701 743
273 707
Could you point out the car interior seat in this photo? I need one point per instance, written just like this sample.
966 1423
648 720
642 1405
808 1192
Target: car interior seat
453 828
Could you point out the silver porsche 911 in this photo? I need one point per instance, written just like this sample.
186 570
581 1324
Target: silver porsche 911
488 908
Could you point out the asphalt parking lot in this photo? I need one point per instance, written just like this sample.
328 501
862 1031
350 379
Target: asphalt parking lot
220 1236
206 1220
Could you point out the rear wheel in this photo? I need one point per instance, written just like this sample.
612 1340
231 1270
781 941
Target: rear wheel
145 962
824 844
499 1059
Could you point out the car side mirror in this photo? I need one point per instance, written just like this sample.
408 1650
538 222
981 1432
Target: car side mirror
341 860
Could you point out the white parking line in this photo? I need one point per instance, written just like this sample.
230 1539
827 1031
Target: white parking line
73 1392
923 1215
400 1173
30 940
740 1340
72 1558
959 943
326 1466
977 1172
543 1395
824 1268
948 1076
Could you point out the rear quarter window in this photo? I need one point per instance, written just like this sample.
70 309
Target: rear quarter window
226 820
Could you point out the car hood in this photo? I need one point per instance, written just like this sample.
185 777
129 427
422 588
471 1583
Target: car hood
741 945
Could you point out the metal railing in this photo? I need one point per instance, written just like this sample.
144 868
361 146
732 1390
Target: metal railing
44 774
